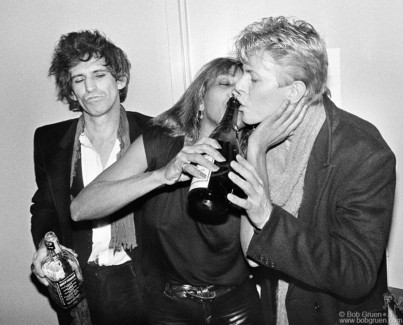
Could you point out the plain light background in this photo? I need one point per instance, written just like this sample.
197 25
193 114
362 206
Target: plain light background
167 41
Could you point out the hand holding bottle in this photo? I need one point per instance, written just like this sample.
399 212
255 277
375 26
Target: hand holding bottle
257 203
38 258
183 166
207 197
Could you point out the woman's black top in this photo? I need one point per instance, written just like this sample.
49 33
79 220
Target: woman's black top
176 247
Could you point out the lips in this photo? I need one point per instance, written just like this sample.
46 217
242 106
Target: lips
93 98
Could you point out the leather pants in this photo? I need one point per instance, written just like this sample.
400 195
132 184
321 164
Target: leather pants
240 305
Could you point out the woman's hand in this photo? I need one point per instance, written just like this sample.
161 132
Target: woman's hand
257 204
277 127
183 166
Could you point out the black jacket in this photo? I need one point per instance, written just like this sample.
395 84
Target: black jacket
53 149
333 254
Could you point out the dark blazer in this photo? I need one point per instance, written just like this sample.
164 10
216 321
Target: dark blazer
53 149
333 254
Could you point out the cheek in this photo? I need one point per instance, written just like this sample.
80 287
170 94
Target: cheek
214 113
77 92
273 100
214 106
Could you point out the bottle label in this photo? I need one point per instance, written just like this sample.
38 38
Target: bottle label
202 182
54 270
66 292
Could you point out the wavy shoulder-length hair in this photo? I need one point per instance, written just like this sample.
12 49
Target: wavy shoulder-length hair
182 118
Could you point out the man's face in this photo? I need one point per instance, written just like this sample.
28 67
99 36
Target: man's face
95 88
258 88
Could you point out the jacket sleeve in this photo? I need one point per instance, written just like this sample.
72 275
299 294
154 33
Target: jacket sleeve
340 251
43 212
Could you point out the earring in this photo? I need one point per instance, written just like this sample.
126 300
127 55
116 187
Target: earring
200 114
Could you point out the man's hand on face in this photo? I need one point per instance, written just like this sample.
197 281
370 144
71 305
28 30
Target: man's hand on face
278 126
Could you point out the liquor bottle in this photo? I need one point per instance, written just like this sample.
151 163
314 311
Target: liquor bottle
66 289
207 197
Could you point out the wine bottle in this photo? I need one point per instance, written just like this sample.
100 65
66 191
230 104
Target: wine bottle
207 197
66 289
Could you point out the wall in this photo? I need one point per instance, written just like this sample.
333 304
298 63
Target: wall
165 52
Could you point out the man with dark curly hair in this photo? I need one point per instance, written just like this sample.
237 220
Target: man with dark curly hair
92 75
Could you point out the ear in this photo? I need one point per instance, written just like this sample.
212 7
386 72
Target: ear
298 90
122 82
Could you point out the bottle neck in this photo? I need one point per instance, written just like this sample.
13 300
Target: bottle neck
52 243
227 128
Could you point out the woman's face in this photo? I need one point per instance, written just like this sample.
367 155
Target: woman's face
215 100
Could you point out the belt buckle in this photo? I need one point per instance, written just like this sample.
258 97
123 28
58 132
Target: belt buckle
201 296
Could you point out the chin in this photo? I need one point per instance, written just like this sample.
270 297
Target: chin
249 120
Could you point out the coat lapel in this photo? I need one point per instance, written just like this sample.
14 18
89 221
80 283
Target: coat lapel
59 178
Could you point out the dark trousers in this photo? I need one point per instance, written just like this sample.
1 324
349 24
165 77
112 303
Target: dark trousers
114 294
241 305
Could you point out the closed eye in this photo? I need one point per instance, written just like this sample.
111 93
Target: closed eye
78 80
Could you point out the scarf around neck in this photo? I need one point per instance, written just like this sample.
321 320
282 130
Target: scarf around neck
123 232
286 168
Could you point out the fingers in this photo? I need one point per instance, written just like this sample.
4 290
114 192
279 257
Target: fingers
242 203
202 148
285 110
247 165
76 268
212 142
36 269
248 172
69 250
203 153
36 266
297 118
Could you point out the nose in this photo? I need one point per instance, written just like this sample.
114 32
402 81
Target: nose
240 87
90 85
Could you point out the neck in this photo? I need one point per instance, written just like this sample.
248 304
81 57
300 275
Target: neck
102 127
206 128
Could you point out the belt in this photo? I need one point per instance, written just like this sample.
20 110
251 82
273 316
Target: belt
199 294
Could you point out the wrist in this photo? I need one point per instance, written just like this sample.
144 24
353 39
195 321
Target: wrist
259 225
160 178
261 222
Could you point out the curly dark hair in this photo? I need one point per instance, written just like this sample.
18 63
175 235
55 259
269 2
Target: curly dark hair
82 46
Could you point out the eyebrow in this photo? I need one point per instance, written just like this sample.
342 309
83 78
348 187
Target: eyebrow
248 69
93 72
